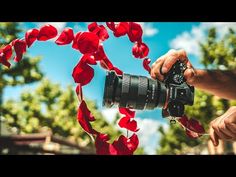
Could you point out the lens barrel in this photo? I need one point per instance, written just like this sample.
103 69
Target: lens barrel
136 92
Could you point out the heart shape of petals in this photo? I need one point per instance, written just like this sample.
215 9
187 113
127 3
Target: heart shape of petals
90 45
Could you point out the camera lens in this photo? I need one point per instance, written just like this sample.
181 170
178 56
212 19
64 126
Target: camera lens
136 92
139 92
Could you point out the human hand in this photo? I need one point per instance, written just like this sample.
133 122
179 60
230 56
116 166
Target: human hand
164 63
224 127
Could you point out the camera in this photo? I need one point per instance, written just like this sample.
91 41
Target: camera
140 92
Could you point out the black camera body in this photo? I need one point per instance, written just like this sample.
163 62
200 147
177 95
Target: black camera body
140 92
179 92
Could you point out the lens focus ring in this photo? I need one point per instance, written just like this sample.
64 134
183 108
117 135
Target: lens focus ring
125 90
142 93
126 83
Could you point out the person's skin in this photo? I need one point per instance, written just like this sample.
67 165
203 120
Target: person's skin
216 82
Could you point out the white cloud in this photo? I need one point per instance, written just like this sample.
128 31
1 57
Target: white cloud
109 114
149 135
148 29
189 40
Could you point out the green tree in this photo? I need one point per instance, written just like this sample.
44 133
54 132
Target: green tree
217 53
25 72
49 107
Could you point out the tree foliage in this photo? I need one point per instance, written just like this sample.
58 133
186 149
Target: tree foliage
49 107
25 72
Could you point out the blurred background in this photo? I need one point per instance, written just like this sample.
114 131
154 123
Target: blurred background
38 104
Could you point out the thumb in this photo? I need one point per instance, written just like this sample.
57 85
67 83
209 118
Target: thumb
189 75
214 137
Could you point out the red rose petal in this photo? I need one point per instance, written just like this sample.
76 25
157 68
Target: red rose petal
136 51
126 146
84 117
121 29
126 122
118 71
103 65
20 49
123 121
7 51
103 137
92 26
106 64
87 42
99 30
102 146
146 63
88 58
127 112
86 112
4 61
101 56
100 53
144 50
79 92
192 127
192 134
111 25
140 50
5 55
66 37
102 33
195 126
47 32
184 120
30 36
82 73
133 142
112 150
121 146
75 44
135 32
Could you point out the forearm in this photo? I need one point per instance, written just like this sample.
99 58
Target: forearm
216 82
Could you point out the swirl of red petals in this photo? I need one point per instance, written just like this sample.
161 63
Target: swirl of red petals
90 44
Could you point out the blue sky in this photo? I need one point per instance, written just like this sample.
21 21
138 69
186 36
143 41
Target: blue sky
58 62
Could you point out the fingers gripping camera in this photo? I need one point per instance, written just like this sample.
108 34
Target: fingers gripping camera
139 92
